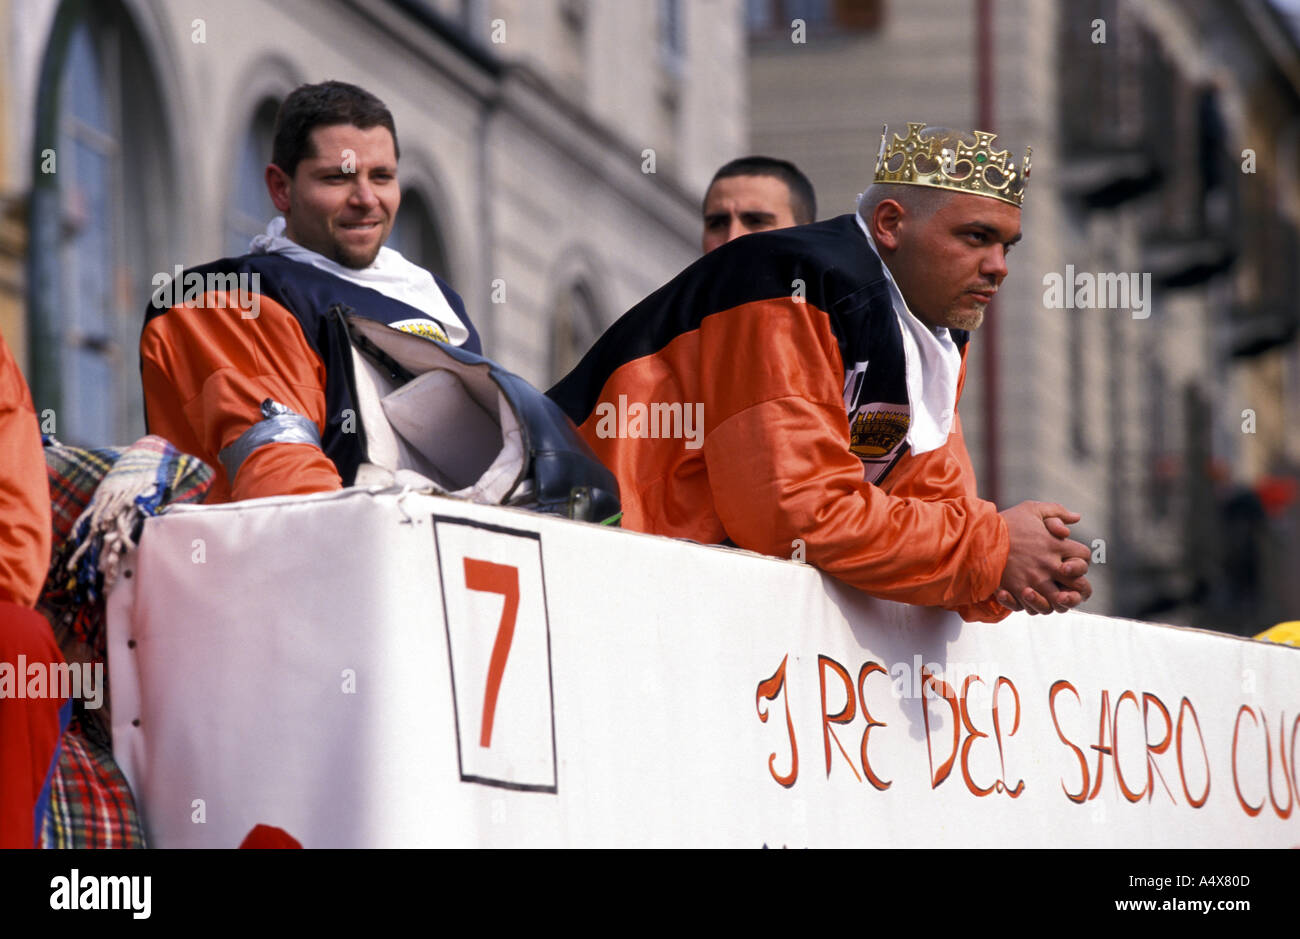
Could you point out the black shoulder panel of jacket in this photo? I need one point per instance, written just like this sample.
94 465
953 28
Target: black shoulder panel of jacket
308 292
829 263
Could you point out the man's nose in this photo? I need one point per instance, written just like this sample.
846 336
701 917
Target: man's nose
363 193
995 262
735 228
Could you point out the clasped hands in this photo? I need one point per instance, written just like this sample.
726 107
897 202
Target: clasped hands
1045 569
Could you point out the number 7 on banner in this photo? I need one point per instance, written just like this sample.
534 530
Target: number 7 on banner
505 723
487 577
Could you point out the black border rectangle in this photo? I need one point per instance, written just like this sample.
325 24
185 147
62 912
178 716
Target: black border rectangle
554 788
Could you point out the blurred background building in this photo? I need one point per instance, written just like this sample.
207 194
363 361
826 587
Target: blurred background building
553 156
555 153
1166 140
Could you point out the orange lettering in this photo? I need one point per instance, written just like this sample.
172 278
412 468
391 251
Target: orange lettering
997 731
843 717
972 736
1251 810
1147 700
872 778
768 690
945 690
1119 774
1281 758
1082 795
1100 747
1184 706
1295 780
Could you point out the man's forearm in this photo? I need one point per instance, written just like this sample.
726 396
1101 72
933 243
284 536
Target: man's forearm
933 552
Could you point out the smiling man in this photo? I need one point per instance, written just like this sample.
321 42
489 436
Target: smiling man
342 196
248 369
828 361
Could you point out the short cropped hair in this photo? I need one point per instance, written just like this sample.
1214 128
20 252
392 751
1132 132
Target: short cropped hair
803 200
918 201
324 105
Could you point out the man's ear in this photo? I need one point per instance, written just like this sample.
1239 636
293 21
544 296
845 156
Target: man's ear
886 220
278 184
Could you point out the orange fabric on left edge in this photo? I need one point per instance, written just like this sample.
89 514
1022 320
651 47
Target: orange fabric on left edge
206 371
24 490
30 725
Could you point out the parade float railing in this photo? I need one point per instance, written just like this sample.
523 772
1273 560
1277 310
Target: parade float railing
395 669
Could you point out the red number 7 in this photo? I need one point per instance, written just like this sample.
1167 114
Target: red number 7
503 579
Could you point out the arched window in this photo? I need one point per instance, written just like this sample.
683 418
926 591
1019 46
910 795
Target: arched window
250 203
415 234
574 328
99 223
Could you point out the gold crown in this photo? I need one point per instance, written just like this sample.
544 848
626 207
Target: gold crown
975 168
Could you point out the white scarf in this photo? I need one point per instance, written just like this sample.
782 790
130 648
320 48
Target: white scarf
932 367
390 274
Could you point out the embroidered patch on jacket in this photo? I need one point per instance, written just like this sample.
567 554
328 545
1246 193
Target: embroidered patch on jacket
878 429
877 433
424 328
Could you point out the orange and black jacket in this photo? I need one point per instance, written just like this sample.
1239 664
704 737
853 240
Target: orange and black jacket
207 366
787 343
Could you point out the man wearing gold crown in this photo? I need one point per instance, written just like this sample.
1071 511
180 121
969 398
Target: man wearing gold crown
827 361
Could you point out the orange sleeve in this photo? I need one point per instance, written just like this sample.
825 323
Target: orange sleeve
24 491
780 469
947 473
206 371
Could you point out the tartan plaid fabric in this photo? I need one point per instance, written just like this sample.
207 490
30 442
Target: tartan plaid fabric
159 473
74 474
90 802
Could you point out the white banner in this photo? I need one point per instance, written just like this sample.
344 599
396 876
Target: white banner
367 670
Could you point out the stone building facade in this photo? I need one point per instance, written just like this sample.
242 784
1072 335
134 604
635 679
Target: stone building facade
553 156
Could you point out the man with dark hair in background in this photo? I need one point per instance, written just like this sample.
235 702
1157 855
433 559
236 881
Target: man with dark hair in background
254 380
755 193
